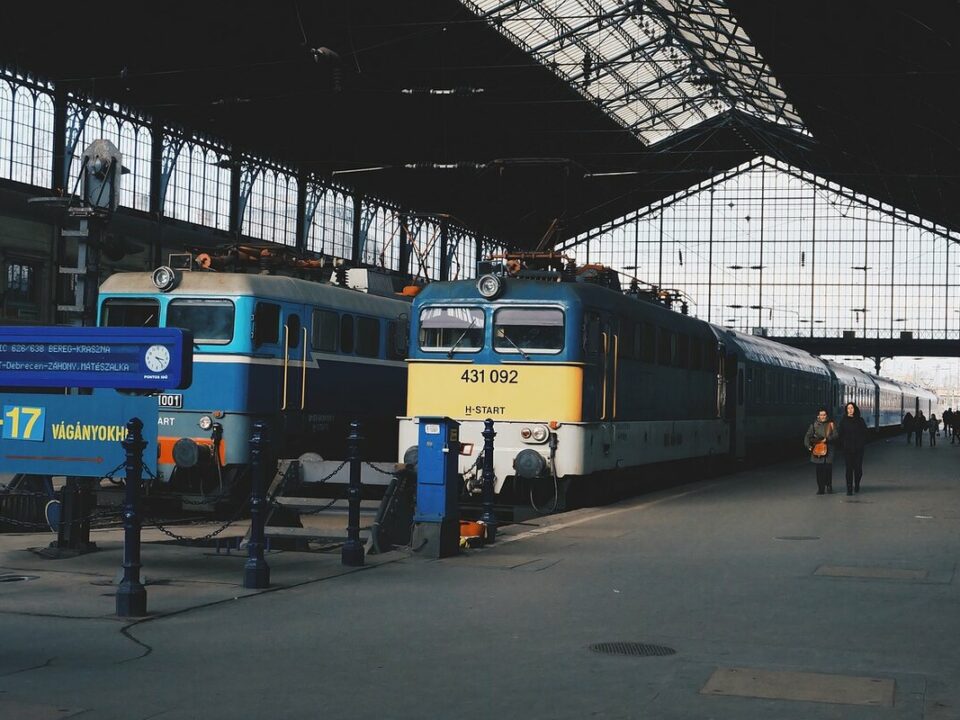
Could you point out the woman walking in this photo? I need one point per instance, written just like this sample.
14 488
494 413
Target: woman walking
819 442
934 427
853 438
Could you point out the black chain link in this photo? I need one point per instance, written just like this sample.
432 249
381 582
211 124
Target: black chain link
391 473
153 522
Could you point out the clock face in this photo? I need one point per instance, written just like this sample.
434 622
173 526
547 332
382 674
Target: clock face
157 358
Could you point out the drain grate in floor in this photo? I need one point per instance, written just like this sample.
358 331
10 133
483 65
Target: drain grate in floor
797 537
16 578
632 649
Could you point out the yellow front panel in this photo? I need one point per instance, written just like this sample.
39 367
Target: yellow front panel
515 391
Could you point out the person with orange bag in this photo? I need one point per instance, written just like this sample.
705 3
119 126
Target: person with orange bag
819 442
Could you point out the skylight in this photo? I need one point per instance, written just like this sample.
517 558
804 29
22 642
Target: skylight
657 67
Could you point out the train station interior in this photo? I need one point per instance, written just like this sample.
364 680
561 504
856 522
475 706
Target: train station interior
769 181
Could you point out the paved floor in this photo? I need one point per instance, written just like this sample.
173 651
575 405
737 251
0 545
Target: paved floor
777 603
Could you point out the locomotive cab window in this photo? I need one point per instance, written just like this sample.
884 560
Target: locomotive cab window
266 324
133 312
523 330
210 321
449 329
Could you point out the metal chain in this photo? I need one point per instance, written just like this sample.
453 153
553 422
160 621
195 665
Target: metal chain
391 473
153 522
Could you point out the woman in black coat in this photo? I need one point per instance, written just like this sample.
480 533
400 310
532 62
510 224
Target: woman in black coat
853 438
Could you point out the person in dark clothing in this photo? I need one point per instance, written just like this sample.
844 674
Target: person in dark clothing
907 425
821 434
934 427
947 421
852 433
919 426
955 426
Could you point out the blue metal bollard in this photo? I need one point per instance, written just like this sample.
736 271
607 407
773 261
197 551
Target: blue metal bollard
488 518
131 594
352 553
256 572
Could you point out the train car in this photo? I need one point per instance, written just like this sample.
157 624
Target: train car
852 385
778 390
305 357
581 378
889 403
917 399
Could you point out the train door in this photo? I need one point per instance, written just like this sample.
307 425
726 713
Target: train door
294 382
721 362
610 349
735 405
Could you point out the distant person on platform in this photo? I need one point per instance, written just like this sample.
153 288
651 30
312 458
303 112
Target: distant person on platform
947 422
907 425
852 433
819 440
955 426
933 426
920 427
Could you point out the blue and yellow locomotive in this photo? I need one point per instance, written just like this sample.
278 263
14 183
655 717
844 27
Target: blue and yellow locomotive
306 357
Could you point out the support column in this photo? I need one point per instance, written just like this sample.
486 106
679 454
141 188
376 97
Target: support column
131 594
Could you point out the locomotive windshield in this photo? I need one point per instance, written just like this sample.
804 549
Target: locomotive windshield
210 321
130 312
451 328
523 330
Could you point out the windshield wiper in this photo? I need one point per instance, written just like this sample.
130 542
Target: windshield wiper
460 339
519 349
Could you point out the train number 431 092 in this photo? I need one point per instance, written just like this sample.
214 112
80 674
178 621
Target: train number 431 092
485 375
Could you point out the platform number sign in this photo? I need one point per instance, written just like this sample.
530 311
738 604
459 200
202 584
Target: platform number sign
20 422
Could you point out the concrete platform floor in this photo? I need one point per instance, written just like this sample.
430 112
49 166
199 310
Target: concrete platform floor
777 603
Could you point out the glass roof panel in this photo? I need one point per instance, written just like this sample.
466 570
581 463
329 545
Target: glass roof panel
657 67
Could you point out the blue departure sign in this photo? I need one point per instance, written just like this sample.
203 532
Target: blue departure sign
72 434
90 357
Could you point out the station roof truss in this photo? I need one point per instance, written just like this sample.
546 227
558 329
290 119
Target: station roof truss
828 186
656 67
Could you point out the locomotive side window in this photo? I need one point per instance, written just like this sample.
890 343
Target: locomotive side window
266 324
591 334
683 350
368 337
346 333
326 327
649 343
135 312
210 321
536 330
696 354
445 329
665 347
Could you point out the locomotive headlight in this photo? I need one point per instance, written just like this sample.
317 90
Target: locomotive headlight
165 278
540 433
525 433
489 286
206 422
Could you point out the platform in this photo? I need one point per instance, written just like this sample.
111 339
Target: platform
739 597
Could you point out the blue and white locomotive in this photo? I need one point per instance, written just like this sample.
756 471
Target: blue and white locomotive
306 357
582 378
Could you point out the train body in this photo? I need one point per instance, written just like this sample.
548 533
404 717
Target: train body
582 379
305 357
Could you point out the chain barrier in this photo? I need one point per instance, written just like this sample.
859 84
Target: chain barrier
370 465
153 522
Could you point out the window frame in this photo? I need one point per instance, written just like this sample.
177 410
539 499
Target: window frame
460 349
204 301
529 351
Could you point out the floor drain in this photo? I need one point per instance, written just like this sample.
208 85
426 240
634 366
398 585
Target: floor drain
16 578
797 537
632 649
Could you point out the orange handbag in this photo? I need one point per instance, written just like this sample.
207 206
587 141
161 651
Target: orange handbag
820 448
